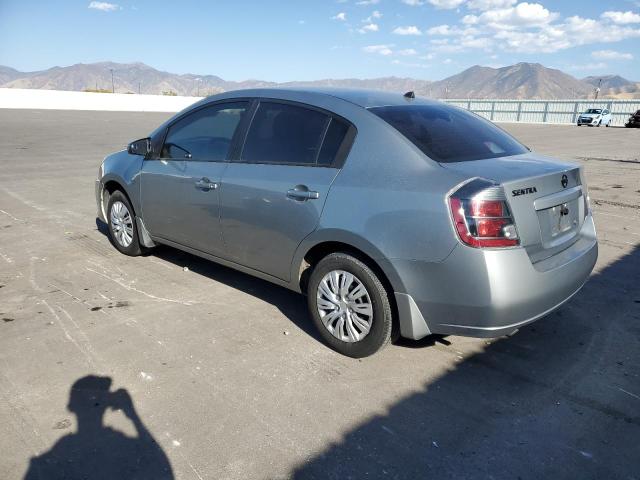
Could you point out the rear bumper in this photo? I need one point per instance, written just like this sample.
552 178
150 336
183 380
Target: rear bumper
489 293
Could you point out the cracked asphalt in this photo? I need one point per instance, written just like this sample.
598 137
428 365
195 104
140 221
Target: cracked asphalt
111 365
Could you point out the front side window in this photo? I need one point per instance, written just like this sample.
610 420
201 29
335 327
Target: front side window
285 134
204 135
448 134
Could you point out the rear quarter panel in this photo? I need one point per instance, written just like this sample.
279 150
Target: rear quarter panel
388 200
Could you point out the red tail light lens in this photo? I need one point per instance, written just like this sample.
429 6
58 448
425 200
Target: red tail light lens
483 222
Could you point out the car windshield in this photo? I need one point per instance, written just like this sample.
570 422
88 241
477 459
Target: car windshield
594 110
448 134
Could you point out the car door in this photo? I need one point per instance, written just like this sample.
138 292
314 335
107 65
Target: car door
273 195
180 189
606 117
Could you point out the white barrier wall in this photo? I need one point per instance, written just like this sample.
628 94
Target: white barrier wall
546 111
63 100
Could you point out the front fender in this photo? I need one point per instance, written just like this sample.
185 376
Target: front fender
124 169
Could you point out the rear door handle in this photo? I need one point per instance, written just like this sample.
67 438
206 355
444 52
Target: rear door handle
206 184
300 193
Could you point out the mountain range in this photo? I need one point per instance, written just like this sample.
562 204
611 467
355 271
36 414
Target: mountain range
522 80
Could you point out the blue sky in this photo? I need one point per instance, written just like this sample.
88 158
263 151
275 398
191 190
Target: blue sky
313 39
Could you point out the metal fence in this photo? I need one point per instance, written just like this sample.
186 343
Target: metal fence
545 111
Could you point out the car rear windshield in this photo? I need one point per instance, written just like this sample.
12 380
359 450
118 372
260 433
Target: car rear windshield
448 134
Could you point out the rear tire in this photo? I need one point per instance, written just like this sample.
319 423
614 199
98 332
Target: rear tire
349 306
123 231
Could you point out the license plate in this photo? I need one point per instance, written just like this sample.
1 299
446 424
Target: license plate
560 223
562 219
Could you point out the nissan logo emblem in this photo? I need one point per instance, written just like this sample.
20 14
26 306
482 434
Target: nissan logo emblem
564 181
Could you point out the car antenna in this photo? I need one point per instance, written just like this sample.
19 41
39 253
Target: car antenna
410 94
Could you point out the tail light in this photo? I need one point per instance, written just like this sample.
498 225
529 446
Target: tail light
481 215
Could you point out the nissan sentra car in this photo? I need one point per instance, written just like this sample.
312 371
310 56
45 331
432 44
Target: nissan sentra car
594 117
394 215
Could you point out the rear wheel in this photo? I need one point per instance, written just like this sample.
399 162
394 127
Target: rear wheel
122 225
349 305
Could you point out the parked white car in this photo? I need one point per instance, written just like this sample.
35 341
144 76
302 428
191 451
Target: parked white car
595 117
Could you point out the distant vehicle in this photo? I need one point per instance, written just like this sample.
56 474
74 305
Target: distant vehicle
594 117
634 120
396 216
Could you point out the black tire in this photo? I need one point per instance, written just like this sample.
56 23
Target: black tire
382 319
134 248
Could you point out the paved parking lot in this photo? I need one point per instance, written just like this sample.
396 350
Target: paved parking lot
202 372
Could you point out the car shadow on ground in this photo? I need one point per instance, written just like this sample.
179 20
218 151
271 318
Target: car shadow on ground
291 304
560 399
96 451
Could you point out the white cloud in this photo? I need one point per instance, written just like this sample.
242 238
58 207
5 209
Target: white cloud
371 27
611 55
528 27
447 30
413 3
622 18
446 4
407 52
380 49
342 17
523 14
374 15
489 4
367 2
104 6
409 30
440 30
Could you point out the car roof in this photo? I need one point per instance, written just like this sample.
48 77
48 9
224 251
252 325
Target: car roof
362 97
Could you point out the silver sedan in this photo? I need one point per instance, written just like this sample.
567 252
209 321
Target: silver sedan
396 216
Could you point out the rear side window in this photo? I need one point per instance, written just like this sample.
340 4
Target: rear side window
285 134
204 135
448 134
332 146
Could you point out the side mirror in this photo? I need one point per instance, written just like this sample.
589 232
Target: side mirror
140 147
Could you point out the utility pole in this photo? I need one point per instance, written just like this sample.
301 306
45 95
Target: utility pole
113 86
139 87
598 89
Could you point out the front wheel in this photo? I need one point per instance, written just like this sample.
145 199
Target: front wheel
123 231
349 305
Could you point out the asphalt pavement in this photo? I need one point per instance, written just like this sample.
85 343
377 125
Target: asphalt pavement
190 370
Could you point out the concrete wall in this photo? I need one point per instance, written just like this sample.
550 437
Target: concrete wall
63 100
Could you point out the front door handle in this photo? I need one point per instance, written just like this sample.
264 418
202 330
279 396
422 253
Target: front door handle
206 184
301 192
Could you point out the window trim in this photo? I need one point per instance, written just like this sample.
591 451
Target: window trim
343 150
250 102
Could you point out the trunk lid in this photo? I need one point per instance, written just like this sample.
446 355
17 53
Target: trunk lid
545 197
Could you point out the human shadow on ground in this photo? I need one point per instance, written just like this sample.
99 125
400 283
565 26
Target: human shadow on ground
99 452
